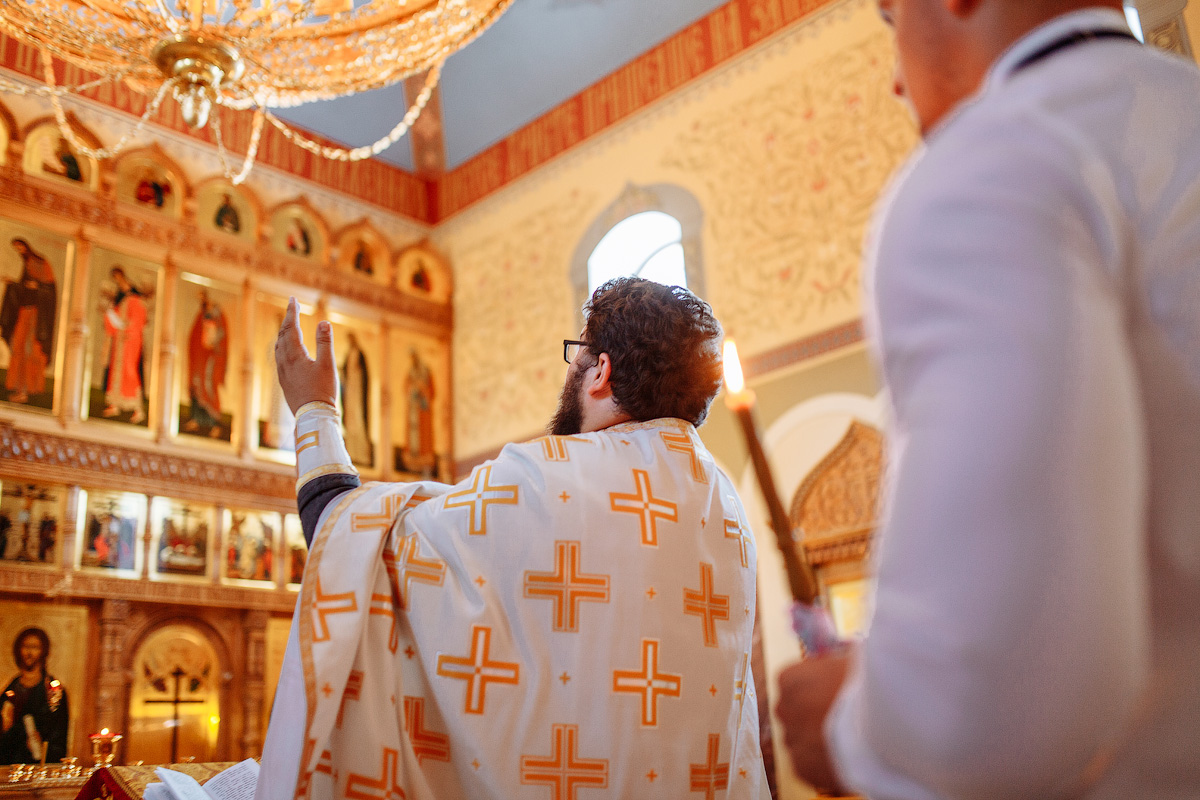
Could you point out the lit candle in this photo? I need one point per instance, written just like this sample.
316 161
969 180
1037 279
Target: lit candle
810 620
741 401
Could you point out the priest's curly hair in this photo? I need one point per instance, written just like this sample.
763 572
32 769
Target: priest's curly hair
665 347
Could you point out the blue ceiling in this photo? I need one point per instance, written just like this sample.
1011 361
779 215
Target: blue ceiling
538 54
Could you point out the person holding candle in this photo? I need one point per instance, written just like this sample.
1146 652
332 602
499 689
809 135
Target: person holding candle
1036 309
575 615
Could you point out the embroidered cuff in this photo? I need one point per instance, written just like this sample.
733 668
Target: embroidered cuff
320 449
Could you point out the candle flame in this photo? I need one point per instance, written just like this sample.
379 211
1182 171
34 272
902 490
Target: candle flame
734 381
104 731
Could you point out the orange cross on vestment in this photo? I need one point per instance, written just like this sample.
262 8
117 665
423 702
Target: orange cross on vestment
649 508
416 500
326 605
566 586
352 691
648 682
734 529
408 566
707 605
325 765
682 443
391 506
710 777
425 744
480 495
564 771
305 778
477 669
382 605
554 448
385 787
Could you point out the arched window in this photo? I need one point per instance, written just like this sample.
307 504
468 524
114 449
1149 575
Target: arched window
650 231
646 245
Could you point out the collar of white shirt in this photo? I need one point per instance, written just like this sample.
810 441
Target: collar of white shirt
1088 19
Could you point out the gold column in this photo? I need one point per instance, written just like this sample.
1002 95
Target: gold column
248 420
216 545
383 370
282 570
70 529
147 537
110 694
165 379
254 688
75 362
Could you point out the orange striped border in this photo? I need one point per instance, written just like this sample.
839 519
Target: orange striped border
701 47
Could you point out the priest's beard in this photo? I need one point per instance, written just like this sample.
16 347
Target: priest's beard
568 419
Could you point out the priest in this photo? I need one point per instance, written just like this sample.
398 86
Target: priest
573 617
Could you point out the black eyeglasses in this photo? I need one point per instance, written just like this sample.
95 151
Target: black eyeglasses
571 349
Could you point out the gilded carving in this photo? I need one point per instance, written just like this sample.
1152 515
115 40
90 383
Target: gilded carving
47 456
835 508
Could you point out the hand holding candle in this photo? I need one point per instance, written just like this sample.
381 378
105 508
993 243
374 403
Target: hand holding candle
810 620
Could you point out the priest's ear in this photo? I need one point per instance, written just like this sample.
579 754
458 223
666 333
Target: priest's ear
598 383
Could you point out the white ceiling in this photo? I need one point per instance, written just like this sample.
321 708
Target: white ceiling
538 54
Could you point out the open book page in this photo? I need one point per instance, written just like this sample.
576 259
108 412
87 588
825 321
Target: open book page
181 786
235 783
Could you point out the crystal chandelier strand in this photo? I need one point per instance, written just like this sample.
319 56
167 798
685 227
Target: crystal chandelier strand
256 129
376 147
64 126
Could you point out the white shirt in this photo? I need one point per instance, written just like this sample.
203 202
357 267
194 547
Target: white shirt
1036 284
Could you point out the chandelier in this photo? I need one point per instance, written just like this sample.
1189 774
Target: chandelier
244 54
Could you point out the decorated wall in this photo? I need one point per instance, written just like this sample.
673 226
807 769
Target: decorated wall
785 148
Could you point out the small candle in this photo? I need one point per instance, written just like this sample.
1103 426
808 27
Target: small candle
740 400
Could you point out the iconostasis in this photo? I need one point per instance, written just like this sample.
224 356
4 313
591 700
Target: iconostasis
147 460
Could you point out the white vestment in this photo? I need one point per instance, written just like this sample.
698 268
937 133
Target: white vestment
1036 305
572 621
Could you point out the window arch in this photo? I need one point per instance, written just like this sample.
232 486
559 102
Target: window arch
653 231
647 245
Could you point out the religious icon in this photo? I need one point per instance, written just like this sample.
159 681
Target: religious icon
27 317
250 544
207 361
121 361
297 239
420 279
421 270
29 522
49 155
356 400
152 188
110 530
297 231
183 530
227 218
362 260
419 393
35 715
276 425
64 162
126 315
